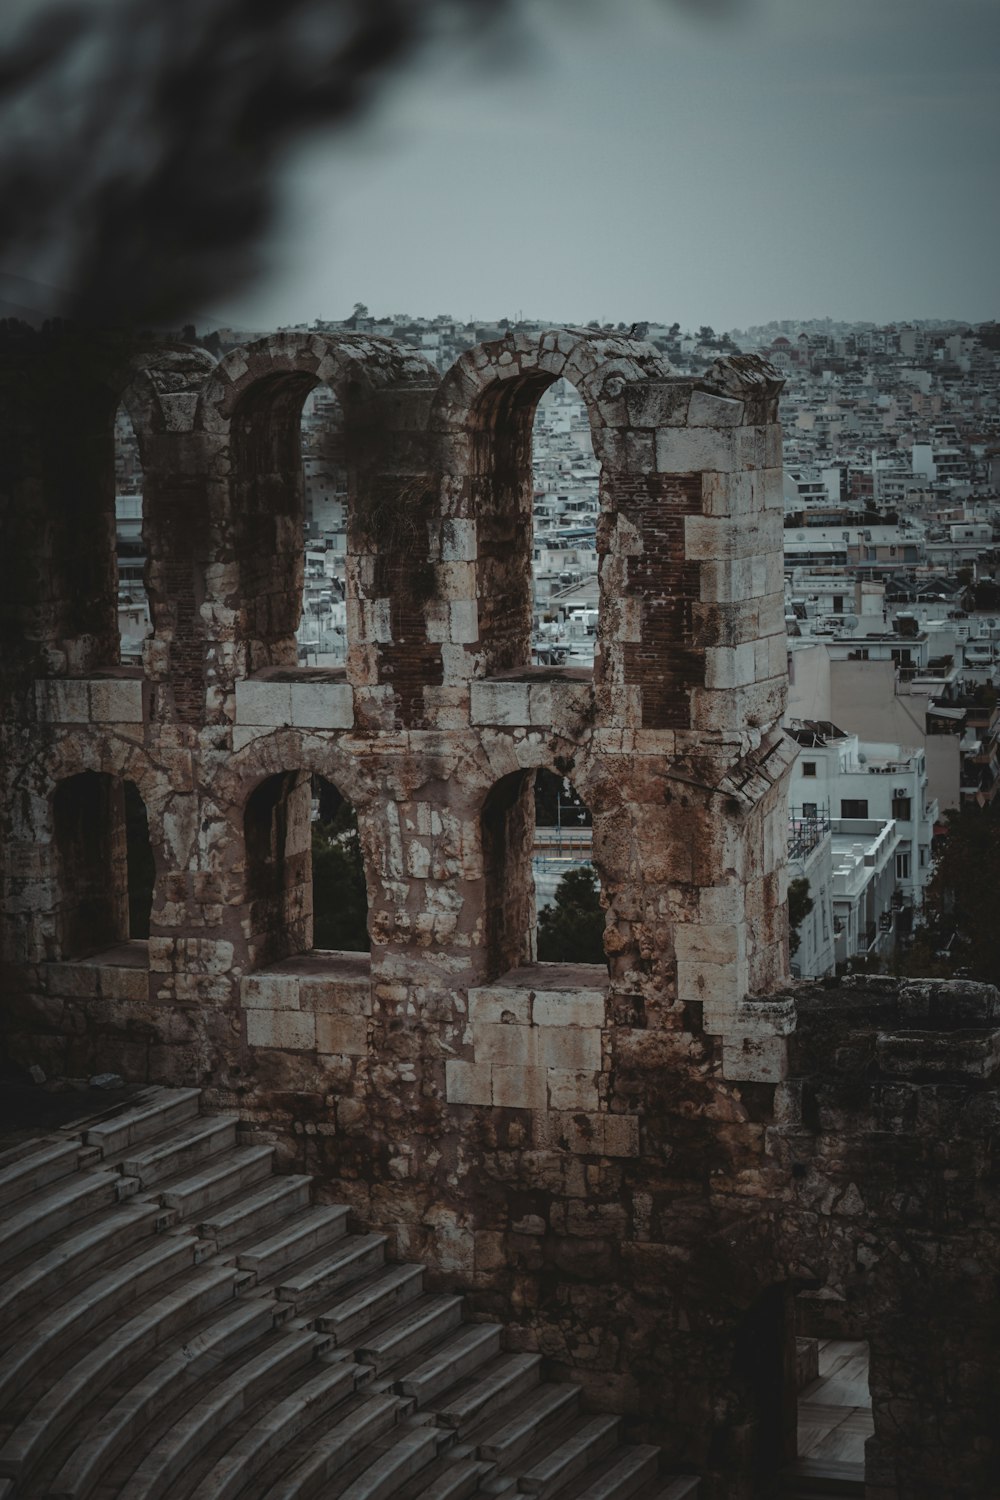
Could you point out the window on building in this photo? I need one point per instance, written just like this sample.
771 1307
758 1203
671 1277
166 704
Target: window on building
854 807
809 768
809 809
901 808
838 604
903 866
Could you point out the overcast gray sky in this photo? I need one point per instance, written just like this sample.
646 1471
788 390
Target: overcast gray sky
803 158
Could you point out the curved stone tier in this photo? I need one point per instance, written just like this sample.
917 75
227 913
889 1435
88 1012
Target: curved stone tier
176 1321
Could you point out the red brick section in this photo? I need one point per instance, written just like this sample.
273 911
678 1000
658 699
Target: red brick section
662 663
178 527
403 575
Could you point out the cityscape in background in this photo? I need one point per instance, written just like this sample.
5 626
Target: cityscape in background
892 541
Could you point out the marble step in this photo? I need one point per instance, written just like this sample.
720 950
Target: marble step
138 1121
312 1229
235 1173
269 1205
393 1287
194 1141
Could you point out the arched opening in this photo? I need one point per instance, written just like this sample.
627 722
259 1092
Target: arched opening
104 863
322 632
542 892
340 896
290 522
304 878
134 620
566 505
570 918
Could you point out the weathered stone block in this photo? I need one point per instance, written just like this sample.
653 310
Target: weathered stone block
519 1087
269 992
689 450
573 1049
569 1008
346 1035
500 703
116 701
263 703
572 1090
500 1004
327 705
468 1083
511 1046
286 1029
755 1059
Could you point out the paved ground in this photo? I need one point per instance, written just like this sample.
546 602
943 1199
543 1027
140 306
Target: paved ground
835 1413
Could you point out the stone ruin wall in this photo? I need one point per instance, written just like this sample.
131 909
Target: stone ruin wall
639 1168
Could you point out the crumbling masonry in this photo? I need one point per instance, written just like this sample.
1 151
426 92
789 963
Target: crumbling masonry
638 1169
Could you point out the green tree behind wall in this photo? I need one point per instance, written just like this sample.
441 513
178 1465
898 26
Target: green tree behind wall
572 929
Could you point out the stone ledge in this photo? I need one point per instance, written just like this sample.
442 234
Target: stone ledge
274 703
972 1053
323 982
118 973
90 700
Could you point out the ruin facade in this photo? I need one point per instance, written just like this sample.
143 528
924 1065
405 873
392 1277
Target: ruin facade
640 1168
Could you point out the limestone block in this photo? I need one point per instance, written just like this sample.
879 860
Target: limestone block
121 983
344 1035
245 734
73 981
340 996
708 982
730 666
463 625
458 541
321 705
269 992
707 410
500 1005
715 943
729 495
500 703
571 702
264 703
750 448
656 403
569 1008
540 709
164 954
727 581
621 1135
572 1090
755 1059
510 1046
292 1030
519 1087
573 1049
689 450
63 700
116 701
468 1083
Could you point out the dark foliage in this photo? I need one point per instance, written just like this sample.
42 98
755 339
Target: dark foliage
340 897
961 934
572 929
800 904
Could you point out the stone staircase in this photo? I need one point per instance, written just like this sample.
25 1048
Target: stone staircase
178 1323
